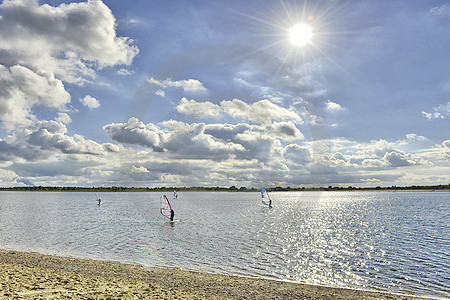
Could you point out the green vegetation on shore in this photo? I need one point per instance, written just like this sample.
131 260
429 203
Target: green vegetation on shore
218 189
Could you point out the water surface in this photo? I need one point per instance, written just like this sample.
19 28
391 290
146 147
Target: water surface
390 241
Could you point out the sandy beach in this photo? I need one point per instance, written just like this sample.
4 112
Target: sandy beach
26 275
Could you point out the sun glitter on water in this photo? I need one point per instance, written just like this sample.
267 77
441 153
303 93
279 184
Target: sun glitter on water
300 34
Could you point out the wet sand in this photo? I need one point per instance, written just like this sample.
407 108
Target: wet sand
25 275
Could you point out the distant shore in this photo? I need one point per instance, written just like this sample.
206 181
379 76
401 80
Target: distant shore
434 188
28 275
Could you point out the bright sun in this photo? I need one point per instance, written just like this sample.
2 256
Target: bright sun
300 34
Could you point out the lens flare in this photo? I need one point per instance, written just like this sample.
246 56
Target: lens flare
152 255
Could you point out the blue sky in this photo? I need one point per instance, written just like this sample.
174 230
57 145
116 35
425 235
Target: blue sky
215 93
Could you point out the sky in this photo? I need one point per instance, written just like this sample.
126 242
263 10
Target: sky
221 93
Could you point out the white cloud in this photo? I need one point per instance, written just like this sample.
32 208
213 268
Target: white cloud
446 144
192 107
397 159
440 112
259 112
22 88
49 135
90 102
63 118
435 115
189 85
64 40
297 154
136 132
112 147
43 46
413 136
205 142
135 169
443 10
67 170
446 151
192 143
160 93
124 72
133 22
48 139
333 107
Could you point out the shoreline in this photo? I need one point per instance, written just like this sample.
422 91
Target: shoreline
27 275
226 191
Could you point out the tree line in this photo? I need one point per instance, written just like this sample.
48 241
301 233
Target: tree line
218 189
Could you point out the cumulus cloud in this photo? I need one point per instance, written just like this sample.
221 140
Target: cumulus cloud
297 154
333 107
112 147
192 107
439 112
90 102
413 136
53 168
446 144
22 88
45 139
339 157
192 142
258 142
64 118
135 169
52 134
259 112
42 46
378 148
285 131
397 159
136 132
161 171
205 141
63 39
189 85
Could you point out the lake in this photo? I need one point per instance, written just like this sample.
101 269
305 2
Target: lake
390 241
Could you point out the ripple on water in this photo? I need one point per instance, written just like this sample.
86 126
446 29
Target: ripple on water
395 242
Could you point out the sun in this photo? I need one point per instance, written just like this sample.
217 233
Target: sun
300 34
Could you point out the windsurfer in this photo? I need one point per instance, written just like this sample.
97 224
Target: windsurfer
172 214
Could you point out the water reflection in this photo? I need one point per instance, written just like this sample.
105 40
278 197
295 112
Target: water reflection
391 241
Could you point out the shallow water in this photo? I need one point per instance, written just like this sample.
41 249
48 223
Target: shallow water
390 241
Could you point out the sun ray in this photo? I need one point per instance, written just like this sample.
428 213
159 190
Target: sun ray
300 34
316 40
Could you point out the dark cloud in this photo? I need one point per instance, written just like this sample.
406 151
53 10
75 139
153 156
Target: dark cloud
52 169
397 159
297 154
51 135
135 132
